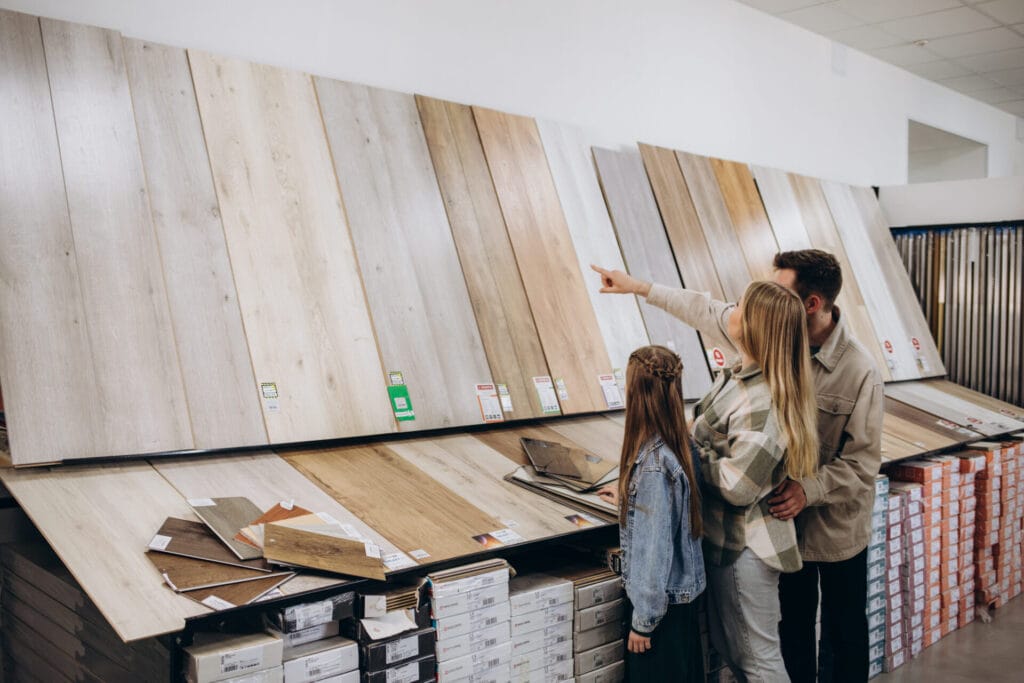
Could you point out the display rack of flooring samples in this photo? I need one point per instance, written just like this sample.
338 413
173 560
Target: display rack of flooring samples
507 329
648 256
568 327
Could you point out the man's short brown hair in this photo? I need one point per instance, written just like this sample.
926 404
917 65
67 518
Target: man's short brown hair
817 272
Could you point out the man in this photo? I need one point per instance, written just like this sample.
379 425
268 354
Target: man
833 507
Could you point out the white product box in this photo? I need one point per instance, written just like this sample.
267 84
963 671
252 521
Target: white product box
231 656
476 663
556 672
588 640
275 675
460 646
605 591
321 659
306 635
542 659
599 657
538 591
461 624
446 589
542 638
613 673
469 601
599 615
532 621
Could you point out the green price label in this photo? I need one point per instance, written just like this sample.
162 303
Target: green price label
401 404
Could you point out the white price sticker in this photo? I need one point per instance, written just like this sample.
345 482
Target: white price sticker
160 542
419 554
201 502
407 673
241 660
612 394
404 648
563 392
506 398
313 614
490 405
372 549
395 561
213 602
271 399
546 393
507 536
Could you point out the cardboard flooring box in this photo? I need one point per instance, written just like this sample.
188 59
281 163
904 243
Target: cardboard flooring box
599 657
308 614
321 659
461 624
588 640
544 618
613 673
385 654
460 646
534 592
469 601
471 666
416 671
223 657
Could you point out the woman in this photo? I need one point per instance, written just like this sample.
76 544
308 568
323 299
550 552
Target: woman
755 428
659 523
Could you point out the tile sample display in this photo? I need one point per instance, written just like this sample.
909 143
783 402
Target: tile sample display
749 220
572 169
225 517
299 288
555 286
195 540
418 299
507 330
211 343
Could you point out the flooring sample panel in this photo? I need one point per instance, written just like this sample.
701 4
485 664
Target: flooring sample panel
139 388
783 208
43 337
418 298
749 220
505 440
716 223
572 169
235 594
225 517
186 573
116 508
395 498
985 401
264 478
875 235
953 408
569 331
597 435
922 419
464 464
195 540
299 289
323 548
648 256
503 314
895 448
924 439
211 343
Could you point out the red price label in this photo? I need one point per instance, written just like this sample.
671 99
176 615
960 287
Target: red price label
916 343
719 357
888 346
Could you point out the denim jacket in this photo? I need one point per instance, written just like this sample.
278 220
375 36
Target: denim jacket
662 563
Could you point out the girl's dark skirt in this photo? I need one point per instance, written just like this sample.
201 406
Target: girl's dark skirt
675 655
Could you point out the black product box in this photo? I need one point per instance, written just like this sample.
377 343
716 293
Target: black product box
419 670
378 655
309 614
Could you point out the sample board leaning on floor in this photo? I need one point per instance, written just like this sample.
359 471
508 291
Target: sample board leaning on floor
547 261
211 343
507 330
418 298
302 300
648 256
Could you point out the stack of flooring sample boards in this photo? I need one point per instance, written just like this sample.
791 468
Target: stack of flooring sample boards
599 623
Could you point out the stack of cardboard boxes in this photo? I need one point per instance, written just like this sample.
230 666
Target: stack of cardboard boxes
878 569
1008 549
907 498
598 624
542 610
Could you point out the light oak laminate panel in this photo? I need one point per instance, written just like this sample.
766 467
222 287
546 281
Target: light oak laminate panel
984 400
139 388
783 208
648 256
949 406
507 330
299 289
924 439
749 219
46 365
211 342
572 169
569 331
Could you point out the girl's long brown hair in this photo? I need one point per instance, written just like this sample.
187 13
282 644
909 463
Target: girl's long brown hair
654 407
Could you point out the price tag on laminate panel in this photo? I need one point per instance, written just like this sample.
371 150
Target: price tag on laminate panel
270 595
507 536
328 518
612 394
395 561
890 354
241 660
506 398
201 502
546 393
716 358
372 549
271 399
160 542
287 504
407 673
620 379
213 602
401 404
490 405
419 554
922 362
403 648
563 392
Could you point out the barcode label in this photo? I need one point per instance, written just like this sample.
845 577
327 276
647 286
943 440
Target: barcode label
491 622
213 602
490 642
240 661
408 673
405 648
487 603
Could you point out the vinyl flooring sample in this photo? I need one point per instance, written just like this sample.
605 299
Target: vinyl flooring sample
195 540
124 298
984 400
922 419
568 327
235 594
187 573
418 298
299 287
572 169
895 448
924 439
44 340
211 343
946 405
225 517
648 256
507 330
749 220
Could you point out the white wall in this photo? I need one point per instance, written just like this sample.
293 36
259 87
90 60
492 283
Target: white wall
955 163
709 76
989 200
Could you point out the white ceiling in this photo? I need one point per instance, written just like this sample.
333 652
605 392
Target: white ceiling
973 46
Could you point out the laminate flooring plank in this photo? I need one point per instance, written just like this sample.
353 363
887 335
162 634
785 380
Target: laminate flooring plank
264 478
568 327
225 517
139 388
505 440
235 594
821 228
648 256
895 448
782 207
116 509
462 463
392 496
507 330
952 408
299 289
186 573
929 421
572 169
596 434
196 540
924 439
878 237
749 219
983 400
211 342
44 342
418 297
719 234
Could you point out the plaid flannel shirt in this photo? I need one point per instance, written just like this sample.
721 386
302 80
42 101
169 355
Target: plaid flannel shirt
741 450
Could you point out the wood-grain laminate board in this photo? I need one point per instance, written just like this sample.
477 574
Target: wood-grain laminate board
572 169
186 573
568 327
749 220
196 540
719 234
923 419
503 314
505 440
648 256
924 439
464 464
43 337
225 516
116 509
876 235
139 388
821 228
211 343
783 208
895 448
299 288
235 594
264 478
418 297
595 434
392 496
984 400
952 408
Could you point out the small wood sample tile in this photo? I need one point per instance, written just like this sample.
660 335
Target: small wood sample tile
984 400
187 573
196 540
225 517
321 549
235 594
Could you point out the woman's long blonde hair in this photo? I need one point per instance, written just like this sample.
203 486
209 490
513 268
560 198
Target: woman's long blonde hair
654 407
774 334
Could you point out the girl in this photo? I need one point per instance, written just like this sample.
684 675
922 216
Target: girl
755 428
659 523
